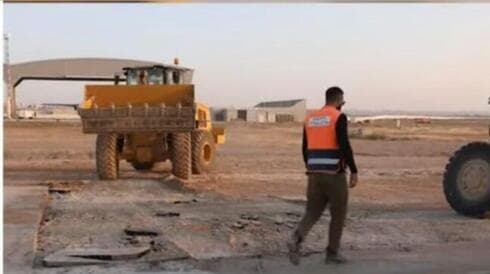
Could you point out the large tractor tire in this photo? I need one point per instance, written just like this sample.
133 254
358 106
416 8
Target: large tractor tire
203 151
467 179
181 155
107 158
143 166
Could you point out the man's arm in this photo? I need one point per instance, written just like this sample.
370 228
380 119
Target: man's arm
344 144
305 147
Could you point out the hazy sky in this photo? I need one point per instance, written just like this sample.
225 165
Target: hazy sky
398 56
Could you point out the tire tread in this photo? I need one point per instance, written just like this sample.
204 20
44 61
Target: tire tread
453 197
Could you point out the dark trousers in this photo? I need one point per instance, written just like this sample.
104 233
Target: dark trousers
325 189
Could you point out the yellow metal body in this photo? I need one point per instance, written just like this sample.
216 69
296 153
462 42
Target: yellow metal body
203 118
138 95
105 96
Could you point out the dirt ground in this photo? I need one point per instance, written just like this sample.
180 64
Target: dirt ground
249 204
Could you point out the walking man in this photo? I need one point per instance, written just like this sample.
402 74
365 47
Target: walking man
326 152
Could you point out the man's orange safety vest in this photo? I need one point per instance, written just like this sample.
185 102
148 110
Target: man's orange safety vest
323 149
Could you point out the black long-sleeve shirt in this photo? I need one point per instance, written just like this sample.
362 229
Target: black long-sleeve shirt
345 149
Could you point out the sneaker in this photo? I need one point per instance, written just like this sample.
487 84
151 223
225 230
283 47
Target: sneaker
294 255
335 258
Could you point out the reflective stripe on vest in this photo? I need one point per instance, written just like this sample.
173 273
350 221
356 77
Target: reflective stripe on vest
323 161
323 149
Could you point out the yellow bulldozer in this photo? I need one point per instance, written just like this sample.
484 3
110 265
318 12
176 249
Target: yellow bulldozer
152 118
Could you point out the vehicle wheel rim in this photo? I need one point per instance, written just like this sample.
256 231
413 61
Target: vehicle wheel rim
207 152
474 179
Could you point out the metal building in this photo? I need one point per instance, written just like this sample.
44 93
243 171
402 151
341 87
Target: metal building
282 111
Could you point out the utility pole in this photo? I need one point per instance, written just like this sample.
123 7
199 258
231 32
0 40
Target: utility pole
11 107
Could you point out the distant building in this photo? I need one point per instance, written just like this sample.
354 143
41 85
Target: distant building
26 113
265 112
224 114
57 111
64 111
283 111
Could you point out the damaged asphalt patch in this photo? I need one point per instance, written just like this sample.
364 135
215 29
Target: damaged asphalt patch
117 216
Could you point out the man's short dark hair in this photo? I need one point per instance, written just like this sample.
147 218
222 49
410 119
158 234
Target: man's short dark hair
333 94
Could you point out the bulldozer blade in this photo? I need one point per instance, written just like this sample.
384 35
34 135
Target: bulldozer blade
139 95
127 109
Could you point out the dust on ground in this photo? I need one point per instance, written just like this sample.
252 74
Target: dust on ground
249 204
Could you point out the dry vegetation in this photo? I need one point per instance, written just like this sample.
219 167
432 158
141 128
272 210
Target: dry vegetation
410 130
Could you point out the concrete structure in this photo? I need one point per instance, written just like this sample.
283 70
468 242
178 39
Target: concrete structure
62 112
224 114
26 114
265 112
283 111
7 78
248 115
265 117
256 115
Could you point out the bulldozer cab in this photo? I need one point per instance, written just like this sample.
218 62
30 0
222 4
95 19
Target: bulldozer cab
158 75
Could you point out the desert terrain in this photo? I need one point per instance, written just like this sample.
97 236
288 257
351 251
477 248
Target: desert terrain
238 217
